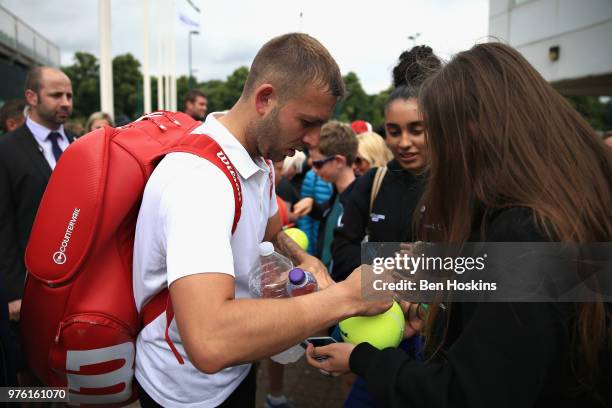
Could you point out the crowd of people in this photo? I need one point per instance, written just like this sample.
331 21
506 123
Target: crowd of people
480 148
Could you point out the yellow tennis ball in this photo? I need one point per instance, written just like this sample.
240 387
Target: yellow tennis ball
381 331
298 236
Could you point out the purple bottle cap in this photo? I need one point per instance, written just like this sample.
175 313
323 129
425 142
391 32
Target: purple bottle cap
297 276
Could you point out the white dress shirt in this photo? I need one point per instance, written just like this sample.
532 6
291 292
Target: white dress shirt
41 134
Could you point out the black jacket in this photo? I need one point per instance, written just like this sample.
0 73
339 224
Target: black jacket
8 376
24 173
287 191
393 211
514 355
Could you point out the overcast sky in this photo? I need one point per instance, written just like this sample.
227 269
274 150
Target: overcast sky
364 36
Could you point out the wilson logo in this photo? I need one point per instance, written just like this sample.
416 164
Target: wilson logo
98 384
59 257
231 171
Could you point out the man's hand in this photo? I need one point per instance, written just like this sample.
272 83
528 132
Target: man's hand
14 310
303 259
351 288
315 266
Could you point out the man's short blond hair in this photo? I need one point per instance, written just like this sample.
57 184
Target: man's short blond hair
338 138
292 61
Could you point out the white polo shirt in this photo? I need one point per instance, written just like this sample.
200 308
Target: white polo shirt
184 227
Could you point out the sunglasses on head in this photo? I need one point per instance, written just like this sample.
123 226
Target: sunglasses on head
317 164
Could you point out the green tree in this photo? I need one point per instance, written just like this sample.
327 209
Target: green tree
590 109
85 76
215 93
223 95
234 86
377 105
594 111
127 84
182 87
154 105
356 105
607 116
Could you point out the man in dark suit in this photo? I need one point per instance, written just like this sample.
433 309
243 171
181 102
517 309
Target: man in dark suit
27 156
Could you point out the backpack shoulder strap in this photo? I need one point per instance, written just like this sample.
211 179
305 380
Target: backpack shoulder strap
206 147
271 176
203 146
378 178
159 304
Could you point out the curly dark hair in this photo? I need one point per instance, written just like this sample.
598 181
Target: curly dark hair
413 68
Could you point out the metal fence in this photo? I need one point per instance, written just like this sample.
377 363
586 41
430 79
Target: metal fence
17 35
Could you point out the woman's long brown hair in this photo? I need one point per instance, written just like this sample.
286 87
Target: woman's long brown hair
500 136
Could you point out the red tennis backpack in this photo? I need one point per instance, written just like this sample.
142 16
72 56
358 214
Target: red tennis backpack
78 318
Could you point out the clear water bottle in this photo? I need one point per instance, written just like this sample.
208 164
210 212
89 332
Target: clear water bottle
269 278
301 283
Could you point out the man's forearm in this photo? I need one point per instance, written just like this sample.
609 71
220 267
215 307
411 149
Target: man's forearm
288 247
246 330
275 325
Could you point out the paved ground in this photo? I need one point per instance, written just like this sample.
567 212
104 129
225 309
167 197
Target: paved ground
305 385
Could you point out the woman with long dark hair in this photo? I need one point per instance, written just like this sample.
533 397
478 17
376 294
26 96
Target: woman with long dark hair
510 161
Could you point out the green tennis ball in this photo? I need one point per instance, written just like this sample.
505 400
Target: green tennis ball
381 331
298 236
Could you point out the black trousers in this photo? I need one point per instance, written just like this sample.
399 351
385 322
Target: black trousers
242 397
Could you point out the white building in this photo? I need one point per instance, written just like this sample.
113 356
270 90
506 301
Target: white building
568 41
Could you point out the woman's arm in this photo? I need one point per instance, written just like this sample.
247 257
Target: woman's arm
503 358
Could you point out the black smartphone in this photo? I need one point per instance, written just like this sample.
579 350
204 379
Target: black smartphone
318 342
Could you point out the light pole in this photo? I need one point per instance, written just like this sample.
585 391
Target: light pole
106 61
414 38
190 69
146 76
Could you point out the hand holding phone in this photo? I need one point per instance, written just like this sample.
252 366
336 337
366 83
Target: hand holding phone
318 342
